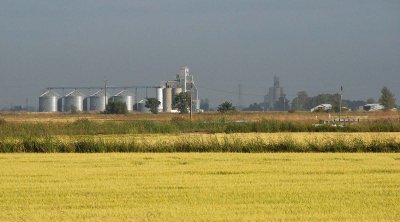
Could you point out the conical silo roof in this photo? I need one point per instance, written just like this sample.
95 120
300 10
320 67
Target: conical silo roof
50 93
98 94
124 93
75 93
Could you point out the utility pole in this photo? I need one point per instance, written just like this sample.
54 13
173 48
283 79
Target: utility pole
340 103
105 95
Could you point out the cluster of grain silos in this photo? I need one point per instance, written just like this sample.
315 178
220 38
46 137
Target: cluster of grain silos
75 100
51 101
168 97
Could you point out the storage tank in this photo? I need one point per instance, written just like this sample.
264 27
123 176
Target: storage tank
175 92
167 99
86 104
142 106
60 104
48 101
126 97
160 98
74 98
97 101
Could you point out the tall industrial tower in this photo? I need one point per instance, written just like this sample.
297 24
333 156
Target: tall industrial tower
186 82
183 83
274 94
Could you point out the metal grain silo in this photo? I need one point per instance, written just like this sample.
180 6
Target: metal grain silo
126 97
48 101
97 101
73 99
142 107
86 104
167 99
160 99
60 104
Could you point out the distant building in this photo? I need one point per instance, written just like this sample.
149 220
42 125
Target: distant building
275 100
373 107
322 107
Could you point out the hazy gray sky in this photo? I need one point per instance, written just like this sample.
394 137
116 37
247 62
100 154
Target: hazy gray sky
312 45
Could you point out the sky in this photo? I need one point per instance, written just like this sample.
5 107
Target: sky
311 45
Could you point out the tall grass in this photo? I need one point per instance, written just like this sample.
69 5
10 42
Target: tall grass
219 125
49 144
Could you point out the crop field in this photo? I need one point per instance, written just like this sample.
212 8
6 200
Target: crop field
220 142
200 187
239 167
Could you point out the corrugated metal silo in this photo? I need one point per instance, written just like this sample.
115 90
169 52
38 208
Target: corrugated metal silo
48 101
86 104
167 99
142 107
160 98
74 98
126 97
60 104
97 101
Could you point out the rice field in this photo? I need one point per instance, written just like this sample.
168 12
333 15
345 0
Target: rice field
200 187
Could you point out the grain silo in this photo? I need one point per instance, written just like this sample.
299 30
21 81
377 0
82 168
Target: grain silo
60 104
97 101
48 101
175 92
142 106
86 104
167 99
126 97
160 99
73 99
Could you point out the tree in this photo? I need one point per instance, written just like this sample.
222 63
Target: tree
254 107
152 104
226 107
282 104
116 107
301 102
182 102
370 100
74 109
387 99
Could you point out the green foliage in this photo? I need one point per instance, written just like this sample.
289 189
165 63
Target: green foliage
152 104
370 100
116 107
254 107
74 109
387 99
226 107
182 102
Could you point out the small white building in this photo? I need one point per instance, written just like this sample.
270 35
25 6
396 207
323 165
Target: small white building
373 107
322 107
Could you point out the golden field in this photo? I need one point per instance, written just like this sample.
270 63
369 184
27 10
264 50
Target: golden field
200 187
